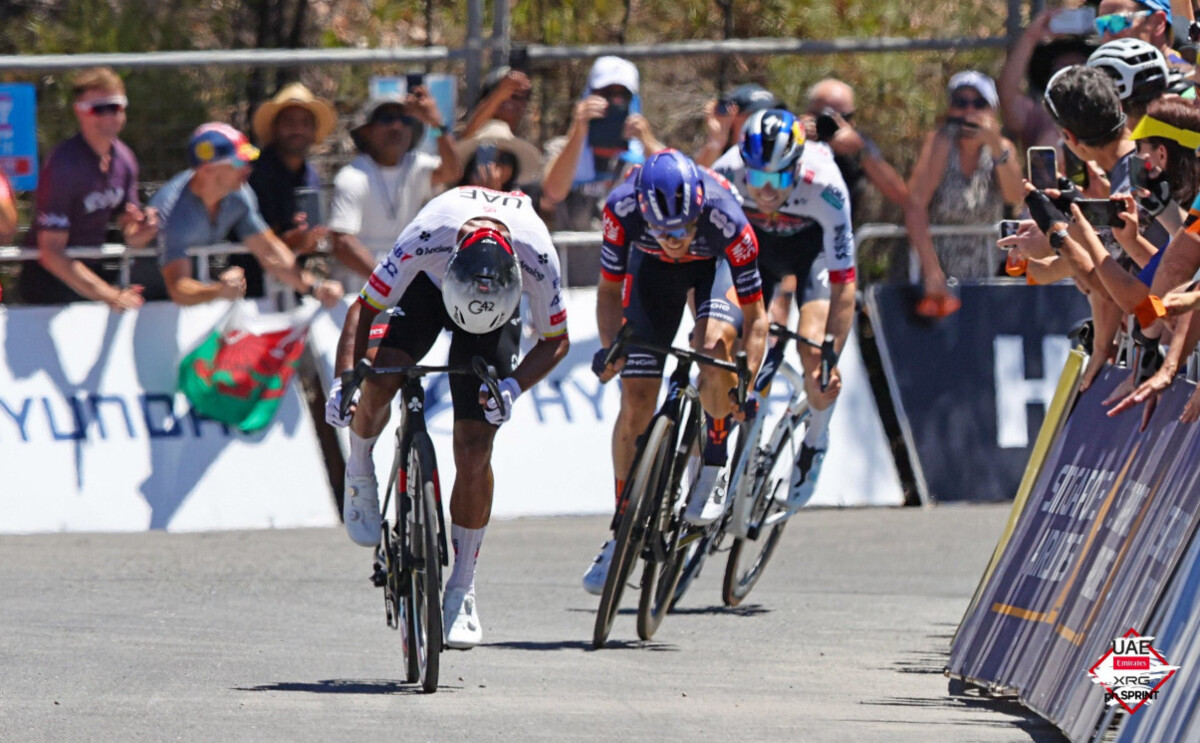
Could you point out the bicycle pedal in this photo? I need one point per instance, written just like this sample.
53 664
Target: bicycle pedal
378 576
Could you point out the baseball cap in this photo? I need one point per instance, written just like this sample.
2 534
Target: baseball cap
613 71
751 98
980 82
1158 5
214 142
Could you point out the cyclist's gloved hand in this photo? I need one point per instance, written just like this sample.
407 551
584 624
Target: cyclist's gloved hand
1044 211
333 405
598 361
1160 194
510 391
748 410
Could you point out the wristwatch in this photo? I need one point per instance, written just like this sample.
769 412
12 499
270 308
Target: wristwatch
1057 238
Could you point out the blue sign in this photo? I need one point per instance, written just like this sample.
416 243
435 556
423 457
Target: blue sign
18 135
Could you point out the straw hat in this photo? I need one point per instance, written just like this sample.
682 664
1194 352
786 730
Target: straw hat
294 95
496 132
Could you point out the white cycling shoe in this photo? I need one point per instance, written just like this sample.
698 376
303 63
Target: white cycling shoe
707 501
804 476
597 573
360 510
459 619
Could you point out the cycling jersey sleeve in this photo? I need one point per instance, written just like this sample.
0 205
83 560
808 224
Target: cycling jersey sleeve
743 265
395 271
614 252
542 282
831 209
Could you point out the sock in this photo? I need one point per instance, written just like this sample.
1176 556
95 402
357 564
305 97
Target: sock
620 485
359 463
466 552
817 435
718 435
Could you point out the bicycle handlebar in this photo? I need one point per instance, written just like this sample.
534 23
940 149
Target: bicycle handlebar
740 366
829 357
352 379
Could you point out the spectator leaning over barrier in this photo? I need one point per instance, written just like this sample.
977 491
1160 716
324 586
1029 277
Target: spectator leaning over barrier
1148 20
200 206
1034 59
88 182
379 192
966 171
725 116
8 210
287 127
608 133
496 159
503 96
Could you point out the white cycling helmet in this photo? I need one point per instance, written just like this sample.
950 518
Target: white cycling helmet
1138 69
482 285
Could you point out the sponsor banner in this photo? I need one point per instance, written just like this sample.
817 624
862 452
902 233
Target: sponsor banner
554 456
93 436
1091 553
18 135
971 390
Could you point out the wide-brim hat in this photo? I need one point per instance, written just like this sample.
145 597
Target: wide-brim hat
367 112
298 95
498 133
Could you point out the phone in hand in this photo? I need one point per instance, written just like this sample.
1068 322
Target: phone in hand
485 155
608 131
1102 212
414 80
1139 172
518 58
1074 22
1076 169
827 126
1043 168
308 200
1008 228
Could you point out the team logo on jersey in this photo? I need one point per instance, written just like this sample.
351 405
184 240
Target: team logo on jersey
834 196
543 258
613 231
625 206
809 175
722 222
558 317
424 236
745 249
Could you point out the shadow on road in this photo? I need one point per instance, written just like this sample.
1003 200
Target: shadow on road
343 686
582 645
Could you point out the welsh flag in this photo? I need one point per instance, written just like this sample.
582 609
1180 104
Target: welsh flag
241 371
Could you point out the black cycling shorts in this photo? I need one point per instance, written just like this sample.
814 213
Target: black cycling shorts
413 326
655 294
800 255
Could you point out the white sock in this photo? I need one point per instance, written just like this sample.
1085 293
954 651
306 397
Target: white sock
466 553
359 463
817 435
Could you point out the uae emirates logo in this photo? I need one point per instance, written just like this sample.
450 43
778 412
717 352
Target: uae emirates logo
1132 672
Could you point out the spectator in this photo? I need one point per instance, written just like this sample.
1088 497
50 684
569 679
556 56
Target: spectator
497 159
607 134
1035 57
724 118
1148 20
1139 71
855 153
965 174
200 206
8 210
504 96
379 192
89 181
287 127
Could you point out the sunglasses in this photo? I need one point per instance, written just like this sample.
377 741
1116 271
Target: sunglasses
959 101
391 117
677 233
1115 23
762 178
103 106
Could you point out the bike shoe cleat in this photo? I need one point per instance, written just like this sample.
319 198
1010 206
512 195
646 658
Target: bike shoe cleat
804 476
360 510
707 501
597 573
463 630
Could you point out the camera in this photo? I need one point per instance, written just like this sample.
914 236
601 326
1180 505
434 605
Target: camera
827 126
414 80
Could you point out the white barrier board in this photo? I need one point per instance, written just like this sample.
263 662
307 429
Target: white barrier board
94 438
554 456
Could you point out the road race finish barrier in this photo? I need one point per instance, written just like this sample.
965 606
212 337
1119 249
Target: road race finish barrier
554 456
1096 544
970 390
93 436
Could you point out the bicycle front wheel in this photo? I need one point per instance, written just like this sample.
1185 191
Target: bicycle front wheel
631 531
426 568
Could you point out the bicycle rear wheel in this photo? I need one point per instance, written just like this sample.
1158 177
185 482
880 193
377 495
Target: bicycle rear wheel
425 600
666 557
630 532
748 558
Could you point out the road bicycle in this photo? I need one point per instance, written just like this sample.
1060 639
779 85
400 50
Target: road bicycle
649 521
412 552
761 474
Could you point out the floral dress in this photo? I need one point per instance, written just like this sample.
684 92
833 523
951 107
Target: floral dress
967 199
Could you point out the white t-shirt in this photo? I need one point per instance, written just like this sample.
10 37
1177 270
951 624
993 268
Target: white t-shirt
429 240
376 203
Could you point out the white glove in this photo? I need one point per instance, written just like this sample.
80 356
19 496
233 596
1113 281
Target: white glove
510 391
333 405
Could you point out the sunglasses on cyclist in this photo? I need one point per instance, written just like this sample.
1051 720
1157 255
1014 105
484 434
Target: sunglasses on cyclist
677 233
103 106
1115 23
959 101
762 178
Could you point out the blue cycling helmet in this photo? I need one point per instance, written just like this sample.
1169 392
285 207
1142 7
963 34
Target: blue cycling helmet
670 190
772 140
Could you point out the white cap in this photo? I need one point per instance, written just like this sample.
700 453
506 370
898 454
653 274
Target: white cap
980 82
613 71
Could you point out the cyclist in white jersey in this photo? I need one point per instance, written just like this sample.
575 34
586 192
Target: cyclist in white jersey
799 206
462 264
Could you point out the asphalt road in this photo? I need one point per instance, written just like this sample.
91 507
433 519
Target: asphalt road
278 636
